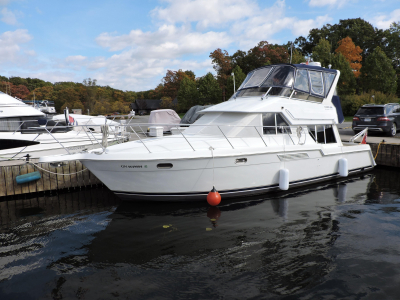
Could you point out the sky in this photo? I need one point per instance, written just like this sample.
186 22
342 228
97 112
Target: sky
130 44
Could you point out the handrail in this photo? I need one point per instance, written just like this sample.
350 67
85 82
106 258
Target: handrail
121 132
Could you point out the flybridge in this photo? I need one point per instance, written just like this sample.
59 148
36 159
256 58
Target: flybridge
303 82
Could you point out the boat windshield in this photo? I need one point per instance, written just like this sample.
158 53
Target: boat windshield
287 81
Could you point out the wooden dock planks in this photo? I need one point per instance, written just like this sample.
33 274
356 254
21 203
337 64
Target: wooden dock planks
48 181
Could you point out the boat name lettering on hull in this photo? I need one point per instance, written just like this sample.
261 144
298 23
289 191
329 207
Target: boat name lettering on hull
132 167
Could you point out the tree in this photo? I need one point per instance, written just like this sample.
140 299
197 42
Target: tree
239 78
20 91
222 64
73 105
187 95
166 103
297 56
172 81
130 96
42 93
259 56
362 33
157 93
209 90
393 49
347 82
322 53
89 92
66 96
378 73
351 53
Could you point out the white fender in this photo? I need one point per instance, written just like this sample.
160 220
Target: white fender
284 179
343 167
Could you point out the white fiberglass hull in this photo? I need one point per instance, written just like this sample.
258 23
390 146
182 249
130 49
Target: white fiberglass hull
233 174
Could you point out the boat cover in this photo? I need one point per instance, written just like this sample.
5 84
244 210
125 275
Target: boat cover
164 116
193 114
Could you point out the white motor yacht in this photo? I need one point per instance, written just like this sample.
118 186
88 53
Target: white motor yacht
278 131
25 130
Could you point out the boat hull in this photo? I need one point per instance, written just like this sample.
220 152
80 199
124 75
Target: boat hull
233 176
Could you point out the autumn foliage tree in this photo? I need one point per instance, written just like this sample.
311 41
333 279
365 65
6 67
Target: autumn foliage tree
223 65
172 81
352 53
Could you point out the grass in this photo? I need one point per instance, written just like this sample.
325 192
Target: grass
348 118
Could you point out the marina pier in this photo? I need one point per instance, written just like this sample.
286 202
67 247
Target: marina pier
71 175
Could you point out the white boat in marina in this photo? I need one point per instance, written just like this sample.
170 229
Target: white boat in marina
25 130
278 131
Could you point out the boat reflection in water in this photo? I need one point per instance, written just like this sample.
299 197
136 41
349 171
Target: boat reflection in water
308 243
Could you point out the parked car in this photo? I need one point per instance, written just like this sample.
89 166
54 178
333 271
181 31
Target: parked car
378 117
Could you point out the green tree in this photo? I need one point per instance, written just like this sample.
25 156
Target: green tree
297 56
378 74
209 90
187 95
362 33
322 53
66 96
347 81
88 92
239 78
260 55
393 50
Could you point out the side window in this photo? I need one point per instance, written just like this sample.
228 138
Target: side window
269 123
396 109
322 134
274 123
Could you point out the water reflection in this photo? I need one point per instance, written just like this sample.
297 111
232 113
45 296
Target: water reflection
298 244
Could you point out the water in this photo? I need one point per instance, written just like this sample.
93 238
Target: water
330 241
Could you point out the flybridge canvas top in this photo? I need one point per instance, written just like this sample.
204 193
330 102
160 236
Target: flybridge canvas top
303 82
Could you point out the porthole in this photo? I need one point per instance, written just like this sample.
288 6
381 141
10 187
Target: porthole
241 160
164 166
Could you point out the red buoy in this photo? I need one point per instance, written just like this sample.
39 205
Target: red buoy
213 197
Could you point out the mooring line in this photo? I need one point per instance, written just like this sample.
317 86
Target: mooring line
62 174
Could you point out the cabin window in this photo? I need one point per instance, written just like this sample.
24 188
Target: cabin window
274 123
322 134
317 86
301 82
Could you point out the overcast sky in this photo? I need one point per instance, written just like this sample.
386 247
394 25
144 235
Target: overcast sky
130 44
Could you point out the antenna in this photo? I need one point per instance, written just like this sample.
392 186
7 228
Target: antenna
291 52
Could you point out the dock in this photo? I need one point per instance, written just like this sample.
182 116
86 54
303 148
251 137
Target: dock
80 177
